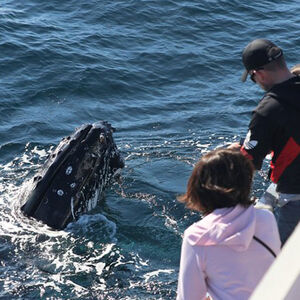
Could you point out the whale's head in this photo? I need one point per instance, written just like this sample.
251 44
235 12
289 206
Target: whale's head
98 153
75 175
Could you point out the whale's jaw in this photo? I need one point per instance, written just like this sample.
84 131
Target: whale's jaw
74 176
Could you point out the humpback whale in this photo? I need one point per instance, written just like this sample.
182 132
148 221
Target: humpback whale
74 176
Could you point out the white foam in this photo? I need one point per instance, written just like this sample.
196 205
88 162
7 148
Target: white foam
86 221
156 273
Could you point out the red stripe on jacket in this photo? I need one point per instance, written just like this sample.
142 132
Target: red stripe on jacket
245 153
290 152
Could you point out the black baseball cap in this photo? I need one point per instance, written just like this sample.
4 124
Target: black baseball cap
259 53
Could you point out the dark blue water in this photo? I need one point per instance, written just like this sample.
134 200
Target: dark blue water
166 74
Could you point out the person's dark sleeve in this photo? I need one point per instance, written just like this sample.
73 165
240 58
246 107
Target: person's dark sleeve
257 143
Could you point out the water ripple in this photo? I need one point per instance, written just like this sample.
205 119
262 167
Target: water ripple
167 76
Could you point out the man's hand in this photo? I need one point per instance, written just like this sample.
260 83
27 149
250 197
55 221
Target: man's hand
234 146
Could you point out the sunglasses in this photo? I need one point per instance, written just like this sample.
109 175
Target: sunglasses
252 74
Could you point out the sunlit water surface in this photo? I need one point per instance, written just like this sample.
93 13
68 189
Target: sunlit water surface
166 75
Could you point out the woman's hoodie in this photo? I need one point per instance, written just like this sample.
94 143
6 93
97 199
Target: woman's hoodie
219 255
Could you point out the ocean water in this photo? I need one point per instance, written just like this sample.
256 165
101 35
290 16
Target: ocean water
166 75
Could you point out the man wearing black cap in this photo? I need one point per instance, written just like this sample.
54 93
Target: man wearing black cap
275 127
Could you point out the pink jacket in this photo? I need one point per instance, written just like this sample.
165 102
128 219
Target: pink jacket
220 256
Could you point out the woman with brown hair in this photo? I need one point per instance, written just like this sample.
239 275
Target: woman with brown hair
227 252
